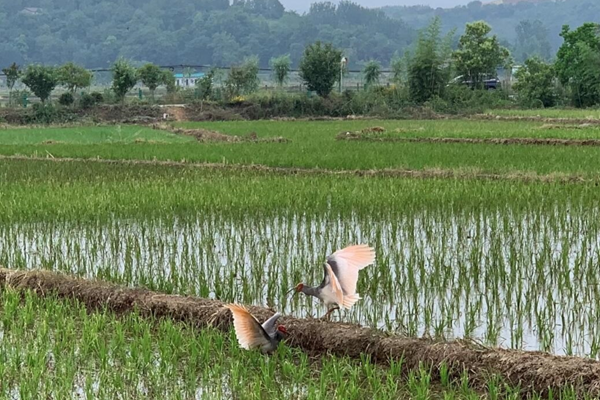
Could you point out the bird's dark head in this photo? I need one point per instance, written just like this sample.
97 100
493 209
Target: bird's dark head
282 329
296 289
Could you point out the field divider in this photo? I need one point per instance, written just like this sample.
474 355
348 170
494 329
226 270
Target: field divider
431 173
533 372
499 141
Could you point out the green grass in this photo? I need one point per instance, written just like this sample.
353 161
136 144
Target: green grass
324 131
313 145
116 134
550 113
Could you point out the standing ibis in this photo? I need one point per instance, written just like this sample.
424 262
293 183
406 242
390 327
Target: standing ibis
251 334
338 288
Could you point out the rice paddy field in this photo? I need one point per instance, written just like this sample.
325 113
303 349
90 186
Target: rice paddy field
507 262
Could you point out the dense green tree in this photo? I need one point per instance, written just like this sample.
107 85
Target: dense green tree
372 73
577 63
535 83
124 78
151 76
41 80
320 67
12 73
478 54
74 77
428 69
281 69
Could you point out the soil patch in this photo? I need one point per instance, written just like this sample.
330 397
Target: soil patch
533 372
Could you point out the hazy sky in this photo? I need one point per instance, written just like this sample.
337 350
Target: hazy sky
304 5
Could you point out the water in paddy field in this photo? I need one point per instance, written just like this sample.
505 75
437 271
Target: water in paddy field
514 279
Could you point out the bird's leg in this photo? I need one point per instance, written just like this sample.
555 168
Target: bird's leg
327 316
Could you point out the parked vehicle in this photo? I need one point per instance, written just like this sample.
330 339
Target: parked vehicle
488 84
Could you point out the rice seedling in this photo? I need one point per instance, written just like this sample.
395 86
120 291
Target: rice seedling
505 263
313 145
550 113
500 267
53 348
88 135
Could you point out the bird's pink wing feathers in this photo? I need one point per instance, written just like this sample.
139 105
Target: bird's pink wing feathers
349 261
249 332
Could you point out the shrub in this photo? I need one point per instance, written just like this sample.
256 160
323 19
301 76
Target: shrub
98 97
86 101
66 99
48 114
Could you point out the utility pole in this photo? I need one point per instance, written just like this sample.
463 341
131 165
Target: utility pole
342 66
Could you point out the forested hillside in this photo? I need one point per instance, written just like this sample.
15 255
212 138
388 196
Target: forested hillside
94 33
526 27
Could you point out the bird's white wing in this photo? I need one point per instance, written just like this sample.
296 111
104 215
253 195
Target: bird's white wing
249 332
336 288
346 263
270 325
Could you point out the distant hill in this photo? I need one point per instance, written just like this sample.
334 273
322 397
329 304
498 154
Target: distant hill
94 33
517 1
505 17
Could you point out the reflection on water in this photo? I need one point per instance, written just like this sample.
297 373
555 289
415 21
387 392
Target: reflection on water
519 280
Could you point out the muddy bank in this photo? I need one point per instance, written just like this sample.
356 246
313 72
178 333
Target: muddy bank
532 371
386 172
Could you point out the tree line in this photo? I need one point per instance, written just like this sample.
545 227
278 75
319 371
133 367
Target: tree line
432 71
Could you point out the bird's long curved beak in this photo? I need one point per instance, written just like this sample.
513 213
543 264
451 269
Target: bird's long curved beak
290 291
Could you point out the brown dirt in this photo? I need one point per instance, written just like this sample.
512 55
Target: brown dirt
534 372
205 135
431 173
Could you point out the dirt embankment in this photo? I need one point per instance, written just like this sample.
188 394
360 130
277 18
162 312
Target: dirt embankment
375 135
537 118
532 371
205 135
